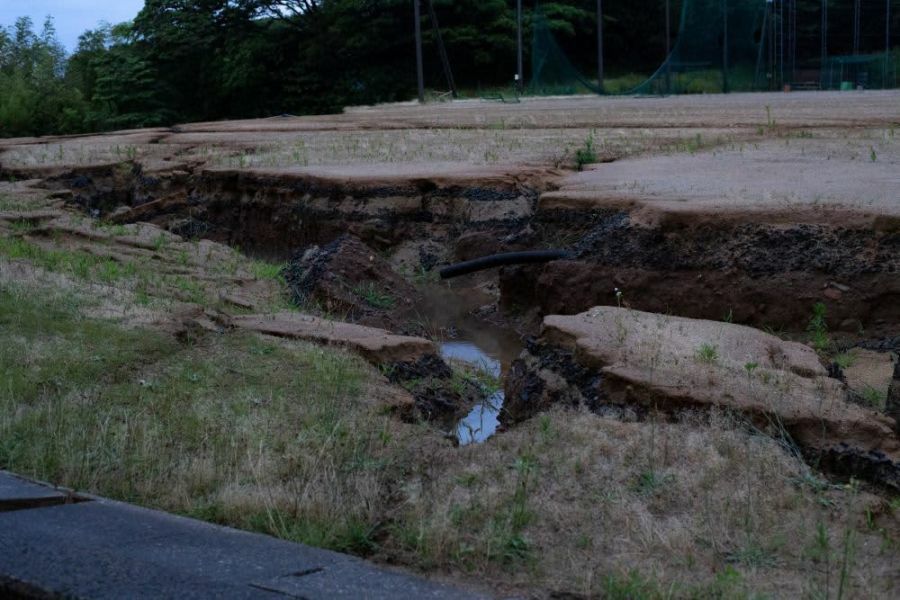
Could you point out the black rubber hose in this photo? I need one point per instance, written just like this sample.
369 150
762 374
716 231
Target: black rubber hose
499 260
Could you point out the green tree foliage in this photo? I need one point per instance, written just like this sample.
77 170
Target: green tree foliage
116 74
34 96
127 92
189 60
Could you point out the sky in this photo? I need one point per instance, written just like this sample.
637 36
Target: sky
71 17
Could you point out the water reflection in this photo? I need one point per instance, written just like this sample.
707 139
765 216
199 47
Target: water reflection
483 420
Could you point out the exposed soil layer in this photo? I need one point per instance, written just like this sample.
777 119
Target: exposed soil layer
688 215
629 365
278 213
708 209
346 277
893 397
698 228
758 273
765 274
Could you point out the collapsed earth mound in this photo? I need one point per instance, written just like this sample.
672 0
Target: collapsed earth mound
347 278
629 364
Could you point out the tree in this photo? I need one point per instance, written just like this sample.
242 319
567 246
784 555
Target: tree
34 97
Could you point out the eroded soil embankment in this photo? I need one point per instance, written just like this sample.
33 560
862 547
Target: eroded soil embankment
748 269
753 272
277 213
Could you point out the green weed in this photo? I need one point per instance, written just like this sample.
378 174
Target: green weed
651 482
753 556
844 360
750 367
818 328
375 297
872 397
509 544
586 154
632 586
265 270
22 227
160 242
193 291
707 353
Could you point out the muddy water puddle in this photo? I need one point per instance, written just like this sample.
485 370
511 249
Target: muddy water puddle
479 345
482 421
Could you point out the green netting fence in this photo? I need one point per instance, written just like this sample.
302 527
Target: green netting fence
867 71
743 45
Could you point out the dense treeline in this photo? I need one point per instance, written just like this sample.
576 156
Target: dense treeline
187 60
184 60
35 96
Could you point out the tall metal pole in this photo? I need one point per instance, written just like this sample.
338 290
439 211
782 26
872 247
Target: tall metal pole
856 27
725 46
668 51
520 72
600 44
442 50
420 70
824 51
780 45
763 45
773 48
792 34
887 42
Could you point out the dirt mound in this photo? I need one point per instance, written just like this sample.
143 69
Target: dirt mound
346 277
626 363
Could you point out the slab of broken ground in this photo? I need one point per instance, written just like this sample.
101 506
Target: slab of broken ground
870 375
627 363
375 345
833 178
426 384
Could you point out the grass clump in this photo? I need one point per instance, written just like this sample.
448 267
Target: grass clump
818 328
586 154
844 360
465 378
707 353
190 289
266 270
652 482
871 397
8 203
374 297
79 264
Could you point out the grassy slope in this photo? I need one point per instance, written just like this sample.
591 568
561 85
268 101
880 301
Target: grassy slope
282 438
233 429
